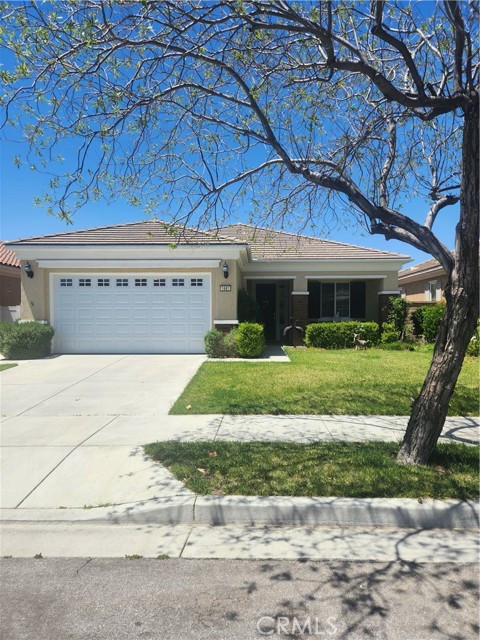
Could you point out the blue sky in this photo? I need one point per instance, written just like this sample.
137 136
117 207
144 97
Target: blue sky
19 218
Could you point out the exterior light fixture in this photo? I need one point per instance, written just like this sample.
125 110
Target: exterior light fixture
225 270
28 269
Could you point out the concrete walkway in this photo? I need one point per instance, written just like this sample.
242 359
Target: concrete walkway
72 430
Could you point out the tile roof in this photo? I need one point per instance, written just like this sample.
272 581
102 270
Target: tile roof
7 257
267 244
148 232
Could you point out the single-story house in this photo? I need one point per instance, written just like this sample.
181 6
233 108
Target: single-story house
423 283
147 287
9 284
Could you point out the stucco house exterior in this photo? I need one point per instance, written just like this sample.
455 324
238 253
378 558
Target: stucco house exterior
423 283
9 284
146 287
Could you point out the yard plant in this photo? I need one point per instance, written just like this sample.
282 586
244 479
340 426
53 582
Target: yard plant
370 382
25 340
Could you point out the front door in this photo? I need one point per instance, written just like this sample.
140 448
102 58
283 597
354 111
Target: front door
266 295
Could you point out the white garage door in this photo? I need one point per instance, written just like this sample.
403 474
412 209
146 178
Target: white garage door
130 314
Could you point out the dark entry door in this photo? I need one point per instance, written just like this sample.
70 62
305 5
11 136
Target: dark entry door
266 295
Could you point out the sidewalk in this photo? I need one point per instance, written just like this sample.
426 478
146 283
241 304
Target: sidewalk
106 477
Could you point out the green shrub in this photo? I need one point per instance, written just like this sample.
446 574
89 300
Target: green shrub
25 340
250 340
426 320
339 335
247 307
432 316
230 343
221 345
389 333
474 344
397 313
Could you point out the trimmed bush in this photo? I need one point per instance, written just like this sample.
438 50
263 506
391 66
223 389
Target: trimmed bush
250 340
432 316
426 321
230 343
247 307
339 335
221 345
25 340
389 333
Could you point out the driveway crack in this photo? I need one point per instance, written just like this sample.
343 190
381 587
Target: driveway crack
64 458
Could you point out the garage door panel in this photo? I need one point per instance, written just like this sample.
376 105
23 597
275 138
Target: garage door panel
125 314
104 314
197 299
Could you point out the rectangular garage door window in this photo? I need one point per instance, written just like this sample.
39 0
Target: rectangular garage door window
178 282
66 282
159 282
84 282
103 282
140 282
196 282
122 282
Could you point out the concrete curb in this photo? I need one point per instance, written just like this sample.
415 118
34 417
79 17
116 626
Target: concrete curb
265 510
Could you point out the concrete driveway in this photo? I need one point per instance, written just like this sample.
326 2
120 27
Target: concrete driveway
72 426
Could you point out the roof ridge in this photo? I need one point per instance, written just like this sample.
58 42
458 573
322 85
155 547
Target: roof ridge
174 225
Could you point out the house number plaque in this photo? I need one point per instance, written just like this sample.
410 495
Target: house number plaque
225 287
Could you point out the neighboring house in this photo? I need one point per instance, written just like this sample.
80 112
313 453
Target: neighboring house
147 288
423 283
9 284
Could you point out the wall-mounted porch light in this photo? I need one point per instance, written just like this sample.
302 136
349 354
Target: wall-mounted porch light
225 270
28 270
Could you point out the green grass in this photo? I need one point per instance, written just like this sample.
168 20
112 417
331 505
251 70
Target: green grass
372 382
341 469
4 367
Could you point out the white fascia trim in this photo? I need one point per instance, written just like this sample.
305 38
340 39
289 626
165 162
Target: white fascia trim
225 322
128 264
300 293
272 277
343 276
383 293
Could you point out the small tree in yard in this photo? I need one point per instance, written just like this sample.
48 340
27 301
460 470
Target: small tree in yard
333 107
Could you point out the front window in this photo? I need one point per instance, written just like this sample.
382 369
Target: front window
336 300
432 289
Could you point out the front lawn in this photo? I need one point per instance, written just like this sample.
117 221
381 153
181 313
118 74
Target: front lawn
372 382
341 469
4 367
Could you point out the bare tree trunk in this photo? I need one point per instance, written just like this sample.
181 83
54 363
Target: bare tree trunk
431 407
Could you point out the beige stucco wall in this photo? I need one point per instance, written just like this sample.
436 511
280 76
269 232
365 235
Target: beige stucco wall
35 304
34 294
416 291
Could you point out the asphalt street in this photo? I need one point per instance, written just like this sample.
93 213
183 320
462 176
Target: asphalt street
178 599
